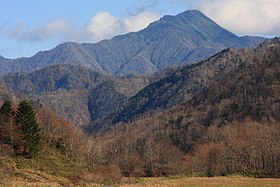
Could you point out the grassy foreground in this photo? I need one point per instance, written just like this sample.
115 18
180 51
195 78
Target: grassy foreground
158 182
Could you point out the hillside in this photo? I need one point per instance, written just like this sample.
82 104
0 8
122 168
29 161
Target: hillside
231 126
72 91
249 91
185 83
186 37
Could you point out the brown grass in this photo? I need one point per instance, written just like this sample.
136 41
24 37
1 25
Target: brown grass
204 182
159 182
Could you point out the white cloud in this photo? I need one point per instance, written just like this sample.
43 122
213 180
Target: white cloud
140 21
105 26
24 33
101 26
243 16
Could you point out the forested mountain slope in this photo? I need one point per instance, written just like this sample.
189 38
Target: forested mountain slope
187 82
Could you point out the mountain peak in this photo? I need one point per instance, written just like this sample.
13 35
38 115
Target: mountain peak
189 16
197 29
192 12
196 13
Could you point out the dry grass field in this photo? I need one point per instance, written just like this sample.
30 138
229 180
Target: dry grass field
205 182
156 182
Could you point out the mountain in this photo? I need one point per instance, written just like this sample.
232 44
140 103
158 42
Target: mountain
186 37
187 82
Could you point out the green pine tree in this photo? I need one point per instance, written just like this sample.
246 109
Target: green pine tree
6 122
6 108
10 132
26 118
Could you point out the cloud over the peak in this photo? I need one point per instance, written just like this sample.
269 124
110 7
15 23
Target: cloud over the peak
140 21
243 16
105 26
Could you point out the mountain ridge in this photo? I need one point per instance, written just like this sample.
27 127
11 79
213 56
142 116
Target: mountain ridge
187 37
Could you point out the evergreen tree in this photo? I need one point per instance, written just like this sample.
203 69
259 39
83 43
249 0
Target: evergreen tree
10 133
26 118
6 108
5 122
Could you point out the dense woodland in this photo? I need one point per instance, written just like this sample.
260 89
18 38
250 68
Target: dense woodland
231 125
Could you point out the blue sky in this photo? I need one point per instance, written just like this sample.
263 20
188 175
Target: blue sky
28 26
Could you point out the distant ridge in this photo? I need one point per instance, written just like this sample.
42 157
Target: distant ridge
186 37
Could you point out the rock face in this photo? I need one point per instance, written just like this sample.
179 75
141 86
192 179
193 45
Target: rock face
186 37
